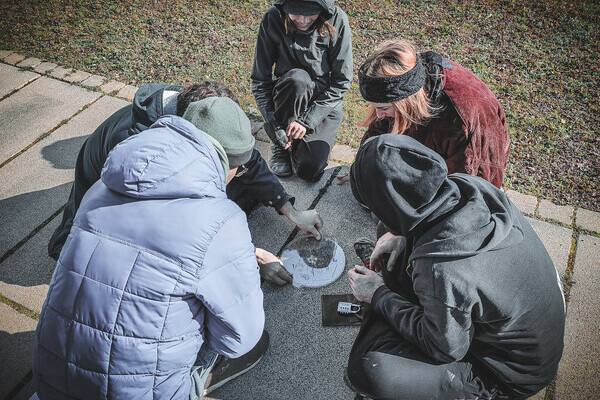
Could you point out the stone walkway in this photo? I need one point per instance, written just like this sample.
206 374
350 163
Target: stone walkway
46 112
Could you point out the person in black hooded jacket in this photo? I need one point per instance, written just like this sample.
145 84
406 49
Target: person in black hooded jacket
302 71
254 183
469 305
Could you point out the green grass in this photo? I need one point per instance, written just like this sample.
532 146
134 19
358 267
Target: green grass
541 59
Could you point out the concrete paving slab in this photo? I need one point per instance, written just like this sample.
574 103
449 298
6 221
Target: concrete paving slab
557 241
525 203
579 370
77 76
17 333
589 220
14 58
30 62
35 110
94 81
45 67
29 389
12 78
26 274
60 72
343 153
306 360
5 53
562 214
127 92
37 183
111 86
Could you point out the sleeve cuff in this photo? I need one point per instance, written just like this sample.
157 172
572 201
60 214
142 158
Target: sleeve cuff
379 294
280 202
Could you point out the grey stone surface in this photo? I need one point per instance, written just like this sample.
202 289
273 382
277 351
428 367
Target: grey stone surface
77 76
17 333
45 67
37 183
94 81
25 275
12 78
539 396
26 392
60 72
111 86
579 370
5 53
30 62
306 360
35 110
525 203
557 241
589 220
562 214
343 153
14 58
127 92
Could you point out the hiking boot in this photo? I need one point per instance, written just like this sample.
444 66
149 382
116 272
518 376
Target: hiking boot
280 161
225 369
364 248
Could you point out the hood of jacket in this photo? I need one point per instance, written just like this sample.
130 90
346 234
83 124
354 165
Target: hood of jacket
407 187
172 159
151 102
328 5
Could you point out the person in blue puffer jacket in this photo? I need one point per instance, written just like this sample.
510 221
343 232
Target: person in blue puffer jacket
158 275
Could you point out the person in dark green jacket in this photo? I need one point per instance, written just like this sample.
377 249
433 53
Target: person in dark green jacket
309 44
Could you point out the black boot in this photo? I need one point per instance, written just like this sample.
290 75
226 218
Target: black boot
279 161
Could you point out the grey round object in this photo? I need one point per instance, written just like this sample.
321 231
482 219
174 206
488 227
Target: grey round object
314 263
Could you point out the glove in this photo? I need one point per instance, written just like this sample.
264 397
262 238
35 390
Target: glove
271 268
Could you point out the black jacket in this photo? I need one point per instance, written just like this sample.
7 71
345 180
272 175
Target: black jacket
485 286
150 103
327 60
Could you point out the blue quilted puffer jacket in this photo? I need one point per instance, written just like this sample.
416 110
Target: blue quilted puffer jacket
158 261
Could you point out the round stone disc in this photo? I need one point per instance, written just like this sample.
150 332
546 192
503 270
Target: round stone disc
314 263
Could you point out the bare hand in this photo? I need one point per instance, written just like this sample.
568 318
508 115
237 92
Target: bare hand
296 130
364 283
271 268
343 178
308 221
387 244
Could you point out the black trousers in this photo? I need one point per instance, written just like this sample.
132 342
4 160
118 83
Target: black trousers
292 94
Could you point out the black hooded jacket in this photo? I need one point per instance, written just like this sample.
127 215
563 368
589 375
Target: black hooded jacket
485 286
151 102
327 60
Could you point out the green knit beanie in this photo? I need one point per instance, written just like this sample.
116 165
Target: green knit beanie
225 122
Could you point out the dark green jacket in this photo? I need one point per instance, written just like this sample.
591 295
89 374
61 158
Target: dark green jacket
327 60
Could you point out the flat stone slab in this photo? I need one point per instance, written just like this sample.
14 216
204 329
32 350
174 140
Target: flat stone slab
94 81
557 241
14 58
35 110
45 67
127 92
17 333
37 183
524 202
562 214
579 370
111 86
12 78
77 76
589 220
26 274
305 359
30 62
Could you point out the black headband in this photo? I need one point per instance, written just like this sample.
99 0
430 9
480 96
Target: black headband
392 88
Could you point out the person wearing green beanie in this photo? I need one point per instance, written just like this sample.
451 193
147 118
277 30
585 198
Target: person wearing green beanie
225 123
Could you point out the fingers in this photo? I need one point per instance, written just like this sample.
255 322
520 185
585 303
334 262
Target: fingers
275 272
343 178
285 275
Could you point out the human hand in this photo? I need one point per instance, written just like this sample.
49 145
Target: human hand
387 244
364 283
343 178
308 221
271 268
296 130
